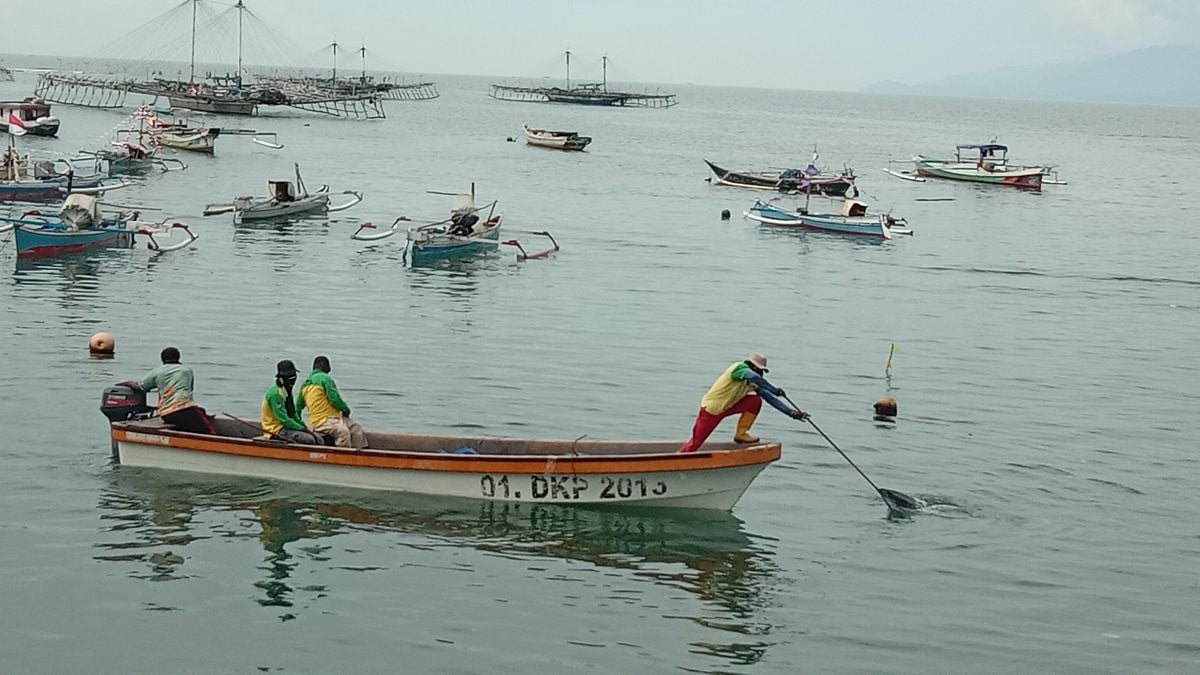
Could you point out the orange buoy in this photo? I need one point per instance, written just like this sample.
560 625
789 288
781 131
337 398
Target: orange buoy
886 406
102 343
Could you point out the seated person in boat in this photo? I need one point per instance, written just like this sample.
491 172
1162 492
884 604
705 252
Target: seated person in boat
741 389
280 420
463 224
175 383
328 414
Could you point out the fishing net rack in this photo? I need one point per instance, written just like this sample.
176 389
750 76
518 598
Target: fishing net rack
585 95
82 90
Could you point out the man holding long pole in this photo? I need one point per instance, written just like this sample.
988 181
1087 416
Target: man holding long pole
740 390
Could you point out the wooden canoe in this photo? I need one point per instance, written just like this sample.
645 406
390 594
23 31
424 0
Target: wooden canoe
648 473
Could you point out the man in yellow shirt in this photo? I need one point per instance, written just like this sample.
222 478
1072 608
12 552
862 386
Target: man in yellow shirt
328 414
740 390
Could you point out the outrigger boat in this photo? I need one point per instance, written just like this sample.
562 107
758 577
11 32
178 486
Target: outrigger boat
594 472
79 226
852 220
788 180
135 150
558 140
982 163
283 200
465 232
23 178
182 136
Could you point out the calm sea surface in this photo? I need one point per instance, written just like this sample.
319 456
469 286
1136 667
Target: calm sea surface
1046 380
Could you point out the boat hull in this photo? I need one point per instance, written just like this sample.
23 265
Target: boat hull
441 248
34 243
704 480
1028 179
202 104
558 142
307 206
203 143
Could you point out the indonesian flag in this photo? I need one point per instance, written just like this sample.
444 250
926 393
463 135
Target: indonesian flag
15 126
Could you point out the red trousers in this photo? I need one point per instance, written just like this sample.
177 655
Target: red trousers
707 422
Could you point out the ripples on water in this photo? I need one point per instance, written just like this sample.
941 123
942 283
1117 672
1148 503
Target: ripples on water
1045 381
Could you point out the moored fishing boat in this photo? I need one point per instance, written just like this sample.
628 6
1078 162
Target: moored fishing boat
191 140
645 473
466 232
788 180
559 140
284 200
989 165
80 226
34 114
23 178
852 220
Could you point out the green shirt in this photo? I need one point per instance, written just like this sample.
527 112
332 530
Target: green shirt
274 412
174 383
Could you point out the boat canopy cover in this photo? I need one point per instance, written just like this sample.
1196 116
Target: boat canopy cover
280 190
463 203
80 211
852 208
983 148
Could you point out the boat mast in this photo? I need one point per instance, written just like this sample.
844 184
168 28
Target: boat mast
568 69
241 8
335 46
363 52
192 76
604 65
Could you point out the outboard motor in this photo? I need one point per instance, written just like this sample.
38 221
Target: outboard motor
120 402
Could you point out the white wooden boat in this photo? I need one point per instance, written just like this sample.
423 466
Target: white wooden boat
191 140
647 473
284 200
559 140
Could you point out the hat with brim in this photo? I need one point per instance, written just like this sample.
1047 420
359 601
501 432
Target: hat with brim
758 361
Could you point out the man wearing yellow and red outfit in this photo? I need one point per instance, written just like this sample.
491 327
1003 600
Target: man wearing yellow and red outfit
740 390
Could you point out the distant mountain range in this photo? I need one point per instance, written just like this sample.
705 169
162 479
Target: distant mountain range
1155 75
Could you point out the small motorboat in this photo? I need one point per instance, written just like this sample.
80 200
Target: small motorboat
530 471
34 114
558 140
986 163
80 226
788 180
467 231
853 219
284 200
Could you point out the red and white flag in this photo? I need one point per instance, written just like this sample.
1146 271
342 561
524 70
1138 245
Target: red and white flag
15 126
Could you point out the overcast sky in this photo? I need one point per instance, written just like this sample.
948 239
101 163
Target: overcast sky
795 44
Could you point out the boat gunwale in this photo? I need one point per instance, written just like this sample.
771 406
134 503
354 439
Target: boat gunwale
390 460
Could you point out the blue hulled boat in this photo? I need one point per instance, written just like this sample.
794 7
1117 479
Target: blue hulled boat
79 227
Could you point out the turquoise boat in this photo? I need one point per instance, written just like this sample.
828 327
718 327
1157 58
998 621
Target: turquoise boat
79 227
468 231
853 220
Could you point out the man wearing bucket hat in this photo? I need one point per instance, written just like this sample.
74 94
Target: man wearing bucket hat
279 418
740 390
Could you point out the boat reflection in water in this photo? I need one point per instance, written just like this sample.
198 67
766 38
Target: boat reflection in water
156 524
